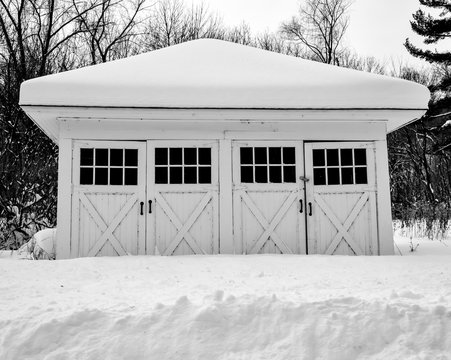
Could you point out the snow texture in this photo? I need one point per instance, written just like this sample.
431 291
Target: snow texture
229 307
217 74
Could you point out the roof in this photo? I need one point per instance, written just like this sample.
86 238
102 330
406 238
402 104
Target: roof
218 74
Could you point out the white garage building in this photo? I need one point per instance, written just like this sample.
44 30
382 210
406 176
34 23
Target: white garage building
212 147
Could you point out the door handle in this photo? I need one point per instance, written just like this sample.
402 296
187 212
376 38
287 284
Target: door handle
150 206
309 209
301 206
142 207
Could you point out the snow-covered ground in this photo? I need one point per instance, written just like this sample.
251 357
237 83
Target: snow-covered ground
229 307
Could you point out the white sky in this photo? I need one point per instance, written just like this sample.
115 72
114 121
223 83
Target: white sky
377 27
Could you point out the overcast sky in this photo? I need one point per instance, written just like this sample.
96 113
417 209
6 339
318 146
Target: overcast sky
377 27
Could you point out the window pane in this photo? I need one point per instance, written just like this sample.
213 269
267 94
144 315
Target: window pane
116 176
190 176
190 156
360 156
261 174
175 175
102 157
101 177
161 175
175 156
275 174
346 157
360 175
204 156
247 174
86 156
260 155
332 157
289 156
116 157
347 176
131 157
275 156
131 176
246 155
333 176
86 176
289 174
319 176
161 156
205 175
318 157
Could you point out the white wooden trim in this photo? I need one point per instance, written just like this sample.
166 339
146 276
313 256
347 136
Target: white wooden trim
64 213
225 198
385 229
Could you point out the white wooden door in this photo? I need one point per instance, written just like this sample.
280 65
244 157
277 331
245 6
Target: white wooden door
341 198
268 197
183 197
108 198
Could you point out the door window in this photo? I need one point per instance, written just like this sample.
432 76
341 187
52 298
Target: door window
346 166
108 166
264 165
183 165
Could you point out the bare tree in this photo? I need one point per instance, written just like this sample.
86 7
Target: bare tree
320 26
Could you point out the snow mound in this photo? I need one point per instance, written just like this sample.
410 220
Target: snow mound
229 327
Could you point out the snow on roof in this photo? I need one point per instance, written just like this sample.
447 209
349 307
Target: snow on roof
218 74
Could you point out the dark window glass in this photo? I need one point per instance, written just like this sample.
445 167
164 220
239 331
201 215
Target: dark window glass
261 174
161 156
175 175
161 175
101 177
319 176
260 155
246 155
86 156
116 176
190 176
359 156
333 176
190 156
131 157
347 176
332 157
116 157
289 155
131 176
86 176
247 174
318 158
205 175
360 175
275 174
101 157
346 157
275 156
289 174
204 156
175 156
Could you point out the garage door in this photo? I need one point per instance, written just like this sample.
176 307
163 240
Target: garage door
108 198
341 198
268 203
183 191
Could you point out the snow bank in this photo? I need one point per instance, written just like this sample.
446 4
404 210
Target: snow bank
228 307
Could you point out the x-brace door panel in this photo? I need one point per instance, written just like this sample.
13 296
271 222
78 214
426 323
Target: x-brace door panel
341 197
183 188
268 197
